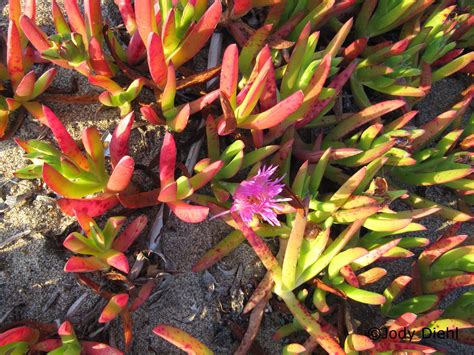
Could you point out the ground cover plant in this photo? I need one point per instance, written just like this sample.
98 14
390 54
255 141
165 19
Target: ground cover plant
305 143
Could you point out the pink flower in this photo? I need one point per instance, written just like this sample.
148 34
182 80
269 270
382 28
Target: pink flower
256 197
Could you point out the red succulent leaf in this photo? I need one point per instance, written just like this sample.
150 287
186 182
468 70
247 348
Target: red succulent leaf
449 283
268 99
116 304
121 175
182 340
93 207
198 35
438 248
19 334
98 60
349 275
66 329
65 142
424 320
179 122
136 50
26 85
140 200
60 22
146 20
169 193
373 255
47 345
203 101
189 213
128 236
353 50
119 143
359 342
167 159
319 105
75 245
84 264
230 73
276 114
14 54
156 59
93 17
75 18
36 110
143 295
206 175
105 83
14 9
241 7
85 221
118 260
94 146
149 113
34 34
404 321
94 348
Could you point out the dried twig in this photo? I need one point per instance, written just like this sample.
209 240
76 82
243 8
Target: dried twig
254 325
14 238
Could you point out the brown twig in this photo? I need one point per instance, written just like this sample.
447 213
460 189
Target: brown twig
254 325
238 332
198 78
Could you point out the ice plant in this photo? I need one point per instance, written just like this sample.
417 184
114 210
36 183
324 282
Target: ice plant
77 43
234 157
116 96
23 340
173 191
25 87
378 17
18 340
69 344
71 173
166 111
257 197
448 162
182 340
174 30
114 307
443 266
241 7
104 246
240 110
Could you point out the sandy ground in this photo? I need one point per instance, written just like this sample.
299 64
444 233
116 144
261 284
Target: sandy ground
34 286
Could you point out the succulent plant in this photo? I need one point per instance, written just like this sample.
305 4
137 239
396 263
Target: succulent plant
17 69
181 339
173 191
23 340
104 246
73 175
77 43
